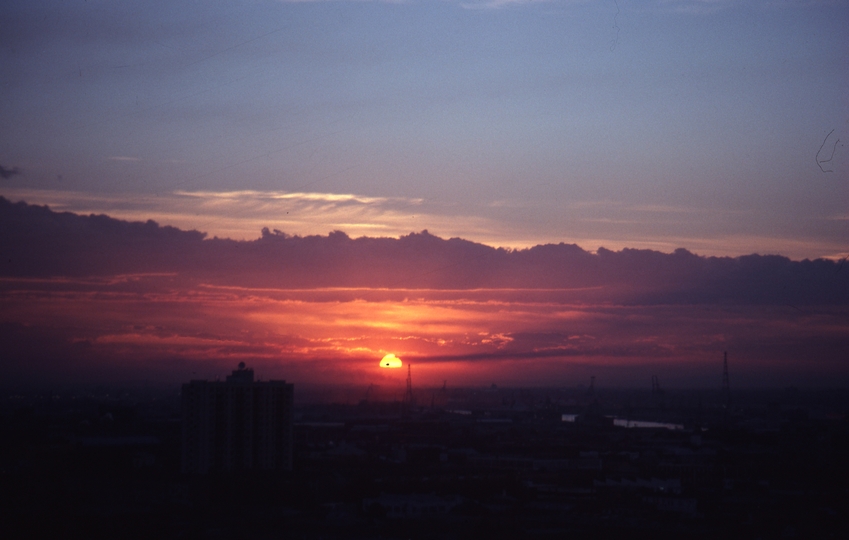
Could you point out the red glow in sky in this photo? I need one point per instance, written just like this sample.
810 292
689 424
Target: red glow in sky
98 299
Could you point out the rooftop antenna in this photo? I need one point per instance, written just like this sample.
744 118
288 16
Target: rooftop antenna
408 395
591 389
656 390
442 393
726 386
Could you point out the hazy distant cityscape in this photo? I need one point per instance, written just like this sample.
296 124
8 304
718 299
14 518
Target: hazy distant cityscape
486 462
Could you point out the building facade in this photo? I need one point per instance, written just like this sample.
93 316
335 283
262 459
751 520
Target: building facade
237 425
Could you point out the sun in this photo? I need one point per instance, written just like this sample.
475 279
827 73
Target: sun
390 361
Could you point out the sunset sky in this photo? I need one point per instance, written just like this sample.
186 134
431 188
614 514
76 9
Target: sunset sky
716 126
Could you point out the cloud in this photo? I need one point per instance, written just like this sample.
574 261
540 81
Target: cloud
140 325
251 195
500 4
696 7
241 215
38 242
96 297
8 173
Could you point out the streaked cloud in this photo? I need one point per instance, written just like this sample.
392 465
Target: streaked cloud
322 336
697 7
500 4
91 296
276 195
242 214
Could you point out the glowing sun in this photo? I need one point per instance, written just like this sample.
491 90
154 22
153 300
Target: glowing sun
390 361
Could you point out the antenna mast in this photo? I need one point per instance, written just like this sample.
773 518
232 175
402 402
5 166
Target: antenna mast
726 385
408 395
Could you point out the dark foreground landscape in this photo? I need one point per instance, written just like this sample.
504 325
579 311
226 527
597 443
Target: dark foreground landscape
462 463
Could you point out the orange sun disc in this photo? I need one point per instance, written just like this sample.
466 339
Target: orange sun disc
390 361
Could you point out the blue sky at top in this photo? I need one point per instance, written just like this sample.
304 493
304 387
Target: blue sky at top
619 123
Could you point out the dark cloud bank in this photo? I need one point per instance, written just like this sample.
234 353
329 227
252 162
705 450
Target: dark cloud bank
70 283
37 242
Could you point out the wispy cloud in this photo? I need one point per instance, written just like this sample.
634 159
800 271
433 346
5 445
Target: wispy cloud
242 214
280 195
8 173
324 336
697 7
500 4
355 1
88 295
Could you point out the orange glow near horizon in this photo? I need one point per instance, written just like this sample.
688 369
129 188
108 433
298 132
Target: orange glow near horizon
321 336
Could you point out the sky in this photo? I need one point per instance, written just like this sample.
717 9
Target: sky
95 299
508 191
718 126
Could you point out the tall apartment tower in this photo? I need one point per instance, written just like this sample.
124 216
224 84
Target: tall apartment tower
237 425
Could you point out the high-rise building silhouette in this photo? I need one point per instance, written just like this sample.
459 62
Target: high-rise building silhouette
237 425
